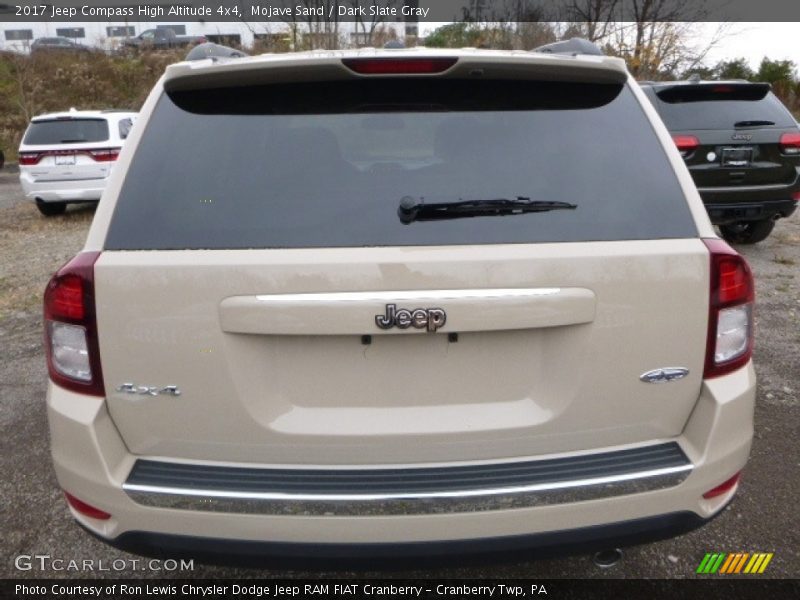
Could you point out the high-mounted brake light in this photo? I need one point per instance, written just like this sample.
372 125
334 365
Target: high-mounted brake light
729 345
70 324
790 143
686 144
398 66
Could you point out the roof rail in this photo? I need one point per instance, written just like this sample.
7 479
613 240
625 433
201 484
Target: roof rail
573 46
213 51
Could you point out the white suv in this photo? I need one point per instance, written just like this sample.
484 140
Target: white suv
406 299
67 156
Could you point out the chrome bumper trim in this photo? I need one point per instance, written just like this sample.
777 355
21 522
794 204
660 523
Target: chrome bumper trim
399 503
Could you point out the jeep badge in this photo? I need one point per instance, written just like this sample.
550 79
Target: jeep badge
419 318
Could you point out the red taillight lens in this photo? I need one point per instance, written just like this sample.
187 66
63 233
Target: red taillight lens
104 154
790 143
724 487
66 298
735 282
86 509
29 158
729 345
686 144
73 355
398 66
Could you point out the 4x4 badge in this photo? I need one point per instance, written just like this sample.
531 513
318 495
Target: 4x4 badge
664 375
419 318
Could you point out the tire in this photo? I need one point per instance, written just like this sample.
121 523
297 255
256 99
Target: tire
747 232
51 209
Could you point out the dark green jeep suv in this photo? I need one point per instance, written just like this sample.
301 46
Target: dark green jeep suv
742 147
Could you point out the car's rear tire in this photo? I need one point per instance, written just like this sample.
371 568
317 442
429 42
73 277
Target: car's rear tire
747 232
51 209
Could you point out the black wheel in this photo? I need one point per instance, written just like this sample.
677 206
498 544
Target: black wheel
51 209
747 232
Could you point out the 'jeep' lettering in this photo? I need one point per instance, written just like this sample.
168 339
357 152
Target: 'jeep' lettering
419 318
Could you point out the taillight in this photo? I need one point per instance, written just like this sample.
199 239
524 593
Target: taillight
790 143
70 325
686 144
729 345
723 487
104 154
98 154
398 66
29 158
86 509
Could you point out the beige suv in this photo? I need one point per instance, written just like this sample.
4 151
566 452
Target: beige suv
399 301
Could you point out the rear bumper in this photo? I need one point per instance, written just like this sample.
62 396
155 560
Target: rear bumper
80 190
92 463
722 214
588 539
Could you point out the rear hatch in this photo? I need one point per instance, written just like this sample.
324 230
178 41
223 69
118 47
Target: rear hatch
270 278
730 133
68 149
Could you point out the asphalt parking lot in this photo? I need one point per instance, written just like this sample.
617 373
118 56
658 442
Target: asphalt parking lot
35 520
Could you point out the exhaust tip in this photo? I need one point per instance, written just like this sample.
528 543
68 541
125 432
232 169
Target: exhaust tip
605 559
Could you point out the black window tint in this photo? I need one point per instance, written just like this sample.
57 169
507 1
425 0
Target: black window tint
125 128
721 113
67 131
325 165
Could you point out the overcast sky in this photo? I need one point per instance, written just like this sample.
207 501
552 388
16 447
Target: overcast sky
778 41
753 41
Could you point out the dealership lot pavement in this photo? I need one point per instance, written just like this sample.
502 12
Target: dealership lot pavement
35 521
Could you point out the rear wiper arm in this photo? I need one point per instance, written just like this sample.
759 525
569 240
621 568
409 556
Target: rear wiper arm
410 210
753 123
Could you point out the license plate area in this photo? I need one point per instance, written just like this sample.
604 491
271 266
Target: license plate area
65 159
737 157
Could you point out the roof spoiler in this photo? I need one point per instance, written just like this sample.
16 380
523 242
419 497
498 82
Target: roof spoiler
573 46
213 51
713 90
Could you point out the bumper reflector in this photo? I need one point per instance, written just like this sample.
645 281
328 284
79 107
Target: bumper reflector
86 509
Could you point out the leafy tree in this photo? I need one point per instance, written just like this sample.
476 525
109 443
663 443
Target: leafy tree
738 68
776 71
454 35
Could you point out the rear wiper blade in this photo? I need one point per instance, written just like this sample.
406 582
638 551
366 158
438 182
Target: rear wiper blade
410 210
75 141
754 123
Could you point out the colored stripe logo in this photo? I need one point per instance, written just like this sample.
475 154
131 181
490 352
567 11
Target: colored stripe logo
732 563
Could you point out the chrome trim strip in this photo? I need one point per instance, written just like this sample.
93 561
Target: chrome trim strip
747 188
472 500
421 295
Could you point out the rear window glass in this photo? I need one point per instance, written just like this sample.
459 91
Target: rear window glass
327 164
709 109
66 131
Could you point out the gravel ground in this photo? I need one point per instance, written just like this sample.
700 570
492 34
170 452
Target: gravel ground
35 519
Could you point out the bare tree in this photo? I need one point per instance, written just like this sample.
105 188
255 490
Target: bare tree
591 19
368 29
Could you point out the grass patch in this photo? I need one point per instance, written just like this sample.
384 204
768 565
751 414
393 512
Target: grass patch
784 260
